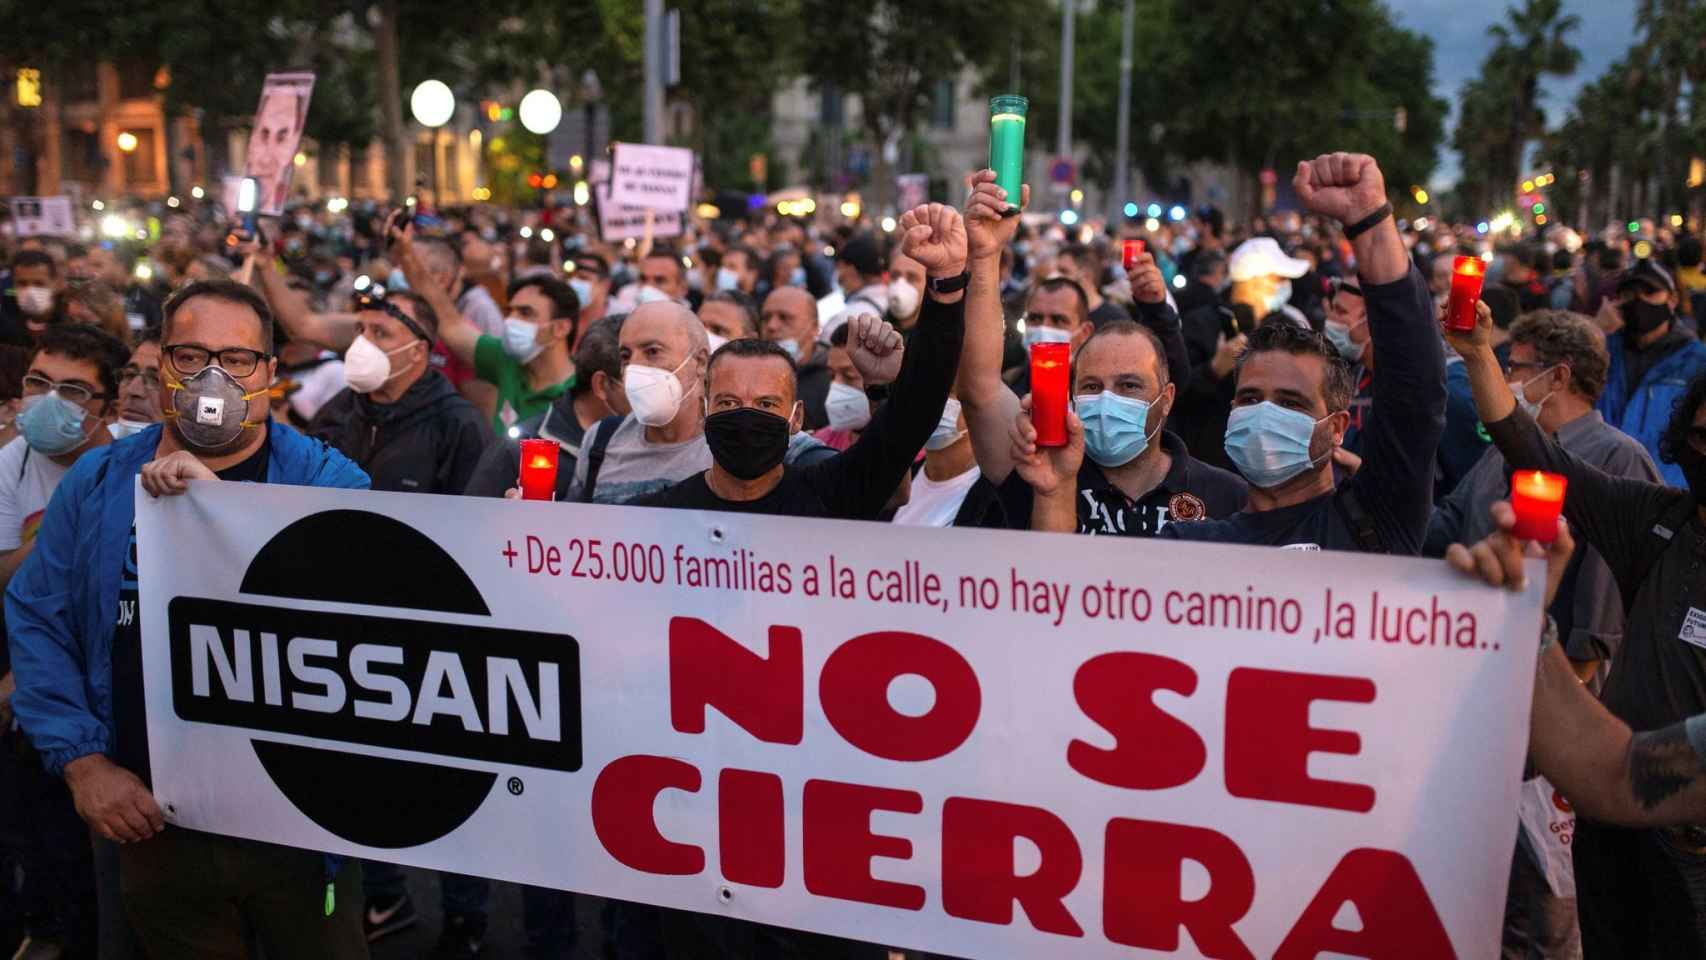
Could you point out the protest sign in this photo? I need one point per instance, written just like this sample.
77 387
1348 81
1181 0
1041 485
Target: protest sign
617 222
911 190
42 217
275 135
979 743
659 178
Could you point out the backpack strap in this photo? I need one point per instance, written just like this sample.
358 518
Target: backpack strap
595 457
1357 518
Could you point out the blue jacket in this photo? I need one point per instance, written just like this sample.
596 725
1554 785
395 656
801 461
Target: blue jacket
1643 413
61 603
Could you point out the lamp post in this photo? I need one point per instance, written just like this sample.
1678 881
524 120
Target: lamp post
432 103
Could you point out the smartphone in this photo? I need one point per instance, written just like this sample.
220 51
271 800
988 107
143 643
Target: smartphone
248 196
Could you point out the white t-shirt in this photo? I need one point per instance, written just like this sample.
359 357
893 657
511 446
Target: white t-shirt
27 482
935 503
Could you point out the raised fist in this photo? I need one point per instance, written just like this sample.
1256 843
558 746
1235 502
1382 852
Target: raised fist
1344 186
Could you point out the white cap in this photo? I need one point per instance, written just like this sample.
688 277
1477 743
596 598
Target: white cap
1261 257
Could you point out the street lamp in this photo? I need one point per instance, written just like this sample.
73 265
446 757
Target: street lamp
127 141
432 103
540 111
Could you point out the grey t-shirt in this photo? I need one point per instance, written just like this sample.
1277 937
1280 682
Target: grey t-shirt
1589 608
634 466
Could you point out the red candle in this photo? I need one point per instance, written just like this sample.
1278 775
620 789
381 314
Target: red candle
538 469
1130 250
1537 498
1466 276
1051 374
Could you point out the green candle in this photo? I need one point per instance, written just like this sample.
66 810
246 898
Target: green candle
1007 143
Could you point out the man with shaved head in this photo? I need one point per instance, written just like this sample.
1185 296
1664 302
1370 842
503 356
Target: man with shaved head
789 320
661 441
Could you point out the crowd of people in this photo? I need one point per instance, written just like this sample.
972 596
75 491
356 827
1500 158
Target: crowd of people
1285 382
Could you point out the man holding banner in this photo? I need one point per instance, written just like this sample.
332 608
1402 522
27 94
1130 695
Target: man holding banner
76 640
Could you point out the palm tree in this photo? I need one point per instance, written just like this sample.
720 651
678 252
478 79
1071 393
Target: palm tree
1534 44
1672 49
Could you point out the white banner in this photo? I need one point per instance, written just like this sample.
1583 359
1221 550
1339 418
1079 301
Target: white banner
616 222
980 743
658 178
42 216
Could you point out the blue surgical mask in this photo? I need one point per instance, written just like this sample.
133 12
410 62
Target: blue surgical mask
396 281
1519 390
51 424
727 279
1040 333
1116 428
1279 298
1270 444
1340 336
582 289
521 339
797 278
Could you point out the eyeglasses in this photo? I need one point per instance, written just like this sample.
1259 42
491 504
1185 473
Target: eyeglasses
71 390
150 377
189 359
1513 365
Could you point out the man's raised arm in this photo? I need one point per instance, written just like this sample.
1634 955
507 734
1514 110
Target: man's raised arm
985 399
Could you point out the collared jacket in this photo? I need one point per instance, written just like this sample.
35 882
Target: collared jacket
1642 410
60 605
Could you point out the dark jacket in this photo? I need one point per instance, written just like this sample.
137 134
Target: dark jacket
426 442
500 466
814 387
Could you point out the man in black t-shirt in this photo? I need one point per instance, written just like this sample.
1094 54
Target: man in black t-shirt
753 405
1291 404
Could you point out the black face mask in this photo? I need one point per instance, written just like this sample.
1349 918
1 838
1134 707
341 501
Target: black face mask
748 443
1642 317
1693 466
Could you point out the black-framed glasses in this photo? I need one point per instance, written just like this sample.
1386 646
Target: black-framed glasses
150 376
78 393
189 359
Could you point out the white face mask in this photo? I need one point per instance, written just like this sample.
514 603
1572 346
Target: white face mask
1279 298
727 279
792 347
1520 391
848 407
367 368
947 432
716 342
654 393
521 339
903 299
35 301
1046 334
650 294
122 428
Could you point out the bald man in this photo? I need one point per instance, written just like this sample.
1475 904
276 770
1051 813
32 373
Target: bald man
789 320
664 352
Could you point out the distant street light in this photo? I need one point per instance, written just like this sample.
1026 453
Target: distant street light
432 103
541 111
127 141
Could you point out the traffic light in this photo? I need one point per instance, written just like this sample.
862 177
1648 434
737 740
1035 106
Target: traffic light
535 180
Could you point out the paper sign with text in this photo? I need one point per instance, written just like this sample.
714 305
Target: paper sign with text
616 222
658 178
979 743
42 217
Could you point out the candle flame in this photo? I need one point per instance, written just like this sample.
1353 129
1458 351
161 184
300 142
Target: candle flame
1470 266
539 463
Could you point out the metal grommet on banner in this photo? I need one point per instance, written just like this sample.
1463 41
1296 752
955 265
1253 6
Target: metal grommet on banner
717 534
725 894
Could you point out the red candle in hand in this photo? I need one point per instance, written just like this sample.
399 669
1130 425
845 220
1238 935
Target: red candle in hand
1051 374
538 469
1130 250
1466 276
1537 498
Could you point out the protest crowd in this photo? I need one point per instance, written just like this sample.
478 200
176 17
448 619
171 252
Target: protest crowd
1297 380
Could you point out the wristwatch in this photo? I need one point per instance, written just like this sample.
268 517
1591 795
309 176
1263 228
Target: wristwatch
944 286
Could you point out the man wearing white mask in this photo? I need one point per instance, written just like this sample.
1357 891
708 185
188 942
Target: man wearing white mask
739 270
664 349
530 364
1261 277
400 420
36 285
789 320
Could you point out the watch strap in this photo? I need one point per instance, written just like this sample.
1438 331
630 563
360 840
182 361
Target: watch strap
947 285
1368 223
